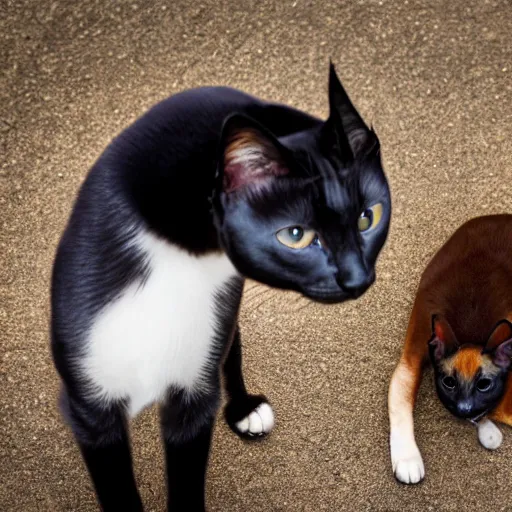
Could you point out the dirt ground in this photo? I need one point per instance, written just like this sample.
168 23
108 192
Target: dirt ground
434 78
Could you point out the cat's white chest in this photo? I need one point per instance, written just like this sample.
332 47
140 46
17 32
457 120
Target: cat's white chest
159 333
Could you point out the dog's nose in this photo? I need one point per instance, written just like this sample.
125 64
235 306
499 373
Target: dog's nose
464 407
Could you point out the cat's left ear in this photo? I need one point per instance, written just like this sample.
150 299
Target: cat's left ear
499 344
354 140
249 155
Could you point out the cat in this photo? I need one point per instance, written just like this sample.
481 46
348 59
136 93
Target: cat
209 187
461 324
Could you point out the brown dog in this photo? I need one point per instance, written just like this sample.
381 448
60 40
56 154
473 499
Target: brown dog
461 321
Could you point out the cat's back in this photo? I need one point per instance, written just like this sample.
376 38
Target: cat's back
162 166
470 277
193 111
189 122
145 172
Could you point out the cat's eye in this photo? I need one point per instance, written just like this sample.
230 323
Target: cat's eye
484 384
370 218
296 237
449 383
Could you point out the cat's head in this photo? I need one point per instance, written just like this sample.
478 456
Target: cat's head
470 380
308 212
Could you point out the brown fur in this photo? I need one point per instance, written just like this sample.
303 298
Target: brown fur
469 282
240 141
466 362
503 413
249 144
250 158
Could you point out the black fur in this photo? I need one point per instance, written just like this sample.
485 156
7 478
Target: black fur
462 397
465 400
166 174
240 403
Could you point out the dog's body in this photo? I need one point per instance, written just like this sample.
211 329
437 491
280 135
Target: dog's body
468 283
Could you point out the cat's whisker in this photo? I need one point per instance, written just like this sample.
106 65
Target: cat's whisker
255 295
254 289
261 303
159 284
304 306
249 288
298 298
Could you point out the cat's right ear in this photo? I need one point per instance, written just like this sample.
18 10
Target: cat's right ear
345 131
443 341
249 156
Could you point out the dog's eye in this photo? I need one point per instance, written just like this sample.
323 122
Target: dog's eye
484 384
449 383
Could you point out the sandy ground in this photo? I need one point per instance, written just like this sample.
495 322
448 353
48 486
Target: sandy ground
434 77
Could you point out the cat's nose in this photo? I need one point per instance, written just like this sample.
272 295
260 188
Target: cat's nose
464 407
356 281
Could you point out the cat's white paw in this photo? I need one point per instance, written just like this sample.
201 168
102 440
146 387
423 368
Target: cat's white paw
406 460
259 422
489 435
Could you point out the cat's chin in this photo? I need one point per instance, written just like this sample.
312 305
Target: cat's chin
327 298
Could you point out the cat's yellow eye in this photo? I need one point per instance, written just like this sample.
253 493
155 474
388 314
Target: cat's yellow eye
296 237
370 218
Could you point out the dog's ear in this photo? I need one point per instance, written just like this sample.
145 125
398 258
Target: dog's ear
499 344
443 341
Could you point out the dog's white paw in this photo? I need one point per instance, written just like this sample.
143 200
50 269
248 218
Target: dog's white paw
410 470
406 460
489 435
259 422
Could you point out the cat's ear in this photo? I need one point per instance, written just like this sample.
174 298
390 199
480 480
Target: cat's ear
249 156
353 139
499 344
443 341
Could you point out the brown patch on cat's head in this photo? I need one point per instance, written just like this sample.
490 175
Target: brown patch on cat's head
467 361
243 143
250 158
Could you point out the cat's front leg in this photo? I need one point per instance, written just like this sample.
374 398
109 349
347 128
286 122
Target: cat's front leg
187 420
406 458
248 416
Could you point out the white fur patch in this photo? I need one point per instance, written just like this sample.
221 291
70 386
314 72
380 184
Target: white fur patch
489 435
247 154
160 333
406 458
258 422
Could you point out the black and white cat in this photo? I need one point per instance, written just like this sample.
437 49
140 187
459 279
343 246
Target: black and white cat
208 187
